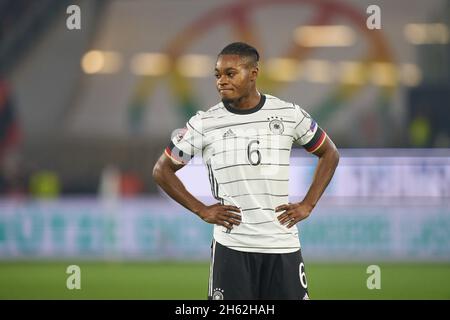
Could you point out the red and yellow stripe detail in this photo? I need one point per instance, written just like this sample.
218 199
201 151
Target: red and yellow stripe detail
316 142
173 157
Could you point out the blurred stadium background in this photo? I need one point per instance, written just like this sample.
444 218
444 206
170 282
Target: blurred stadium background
84 115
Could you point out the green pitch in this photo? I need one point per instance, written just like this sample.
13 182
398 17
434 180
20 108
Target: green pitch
170 280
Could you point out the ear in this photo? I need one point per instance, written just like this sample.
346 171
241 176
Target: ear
254 71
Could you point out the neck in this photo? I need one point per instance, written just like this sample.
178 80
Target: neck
247 102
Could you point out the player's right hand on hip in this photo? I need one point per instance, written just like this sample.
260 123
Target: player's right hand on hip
221 215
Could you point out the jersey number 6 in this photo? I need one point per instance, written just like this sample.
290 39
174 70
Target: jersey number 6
251 152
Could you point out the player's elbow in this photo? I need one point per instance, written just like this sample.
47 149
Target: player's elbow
331 155
158 172
335 156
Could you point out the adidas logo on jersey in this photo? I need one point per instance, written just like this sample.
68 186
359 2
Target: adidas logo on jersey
229 133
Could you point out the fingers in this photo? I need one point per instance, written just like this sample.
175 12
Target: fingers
288 218
233 218
291 218
283 207
228 211
292 223
285 217
229 219
231 208
227 225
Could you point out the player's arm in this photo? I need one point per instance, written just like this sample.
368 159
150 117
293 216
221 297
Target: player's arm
328 161
164 175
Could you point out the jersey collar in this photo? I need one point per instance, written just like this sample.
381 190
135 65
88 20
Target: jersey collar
247 111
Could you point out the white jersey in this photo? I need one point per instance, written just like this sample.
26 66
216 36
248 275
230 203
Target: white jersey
247 153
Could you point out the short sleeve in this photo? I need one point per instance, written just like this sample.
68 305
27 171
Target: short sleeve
307 132
186 142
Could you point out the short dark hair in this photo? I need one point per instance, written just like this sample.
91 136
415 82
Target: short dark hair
241 49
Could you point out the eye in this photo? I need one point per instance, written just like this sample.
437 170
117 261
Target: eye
230 74
217 76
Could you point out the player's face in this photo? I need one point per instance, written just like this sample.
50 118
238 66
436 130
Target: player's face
235 77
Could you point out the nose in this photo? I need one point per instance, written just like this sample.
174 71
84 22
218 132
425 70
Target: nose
221 81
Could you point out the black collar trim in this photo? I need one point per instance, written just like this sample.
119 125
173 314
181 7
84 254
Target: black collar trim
247 111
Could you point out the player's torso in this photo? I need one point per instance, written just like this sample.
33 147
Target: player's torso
247 156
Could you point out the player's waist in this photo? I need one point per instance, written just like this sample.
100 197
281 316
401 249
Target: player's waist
265 243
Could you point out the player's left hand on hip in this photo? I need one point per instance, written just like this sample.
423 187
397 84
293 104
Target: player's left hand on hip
293 213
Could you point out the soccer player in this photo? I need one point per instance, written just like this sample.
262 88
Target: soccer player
245 141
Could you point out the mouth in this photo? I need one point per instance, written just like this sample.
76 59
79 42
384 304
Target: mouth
224 90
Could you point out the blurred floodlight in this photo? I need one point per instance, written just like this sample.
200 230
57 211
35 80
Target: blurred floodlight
410 74
384 74
150 64
431 33
319 71
283 69
93 62
324 36
195 65
96 61
351 72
